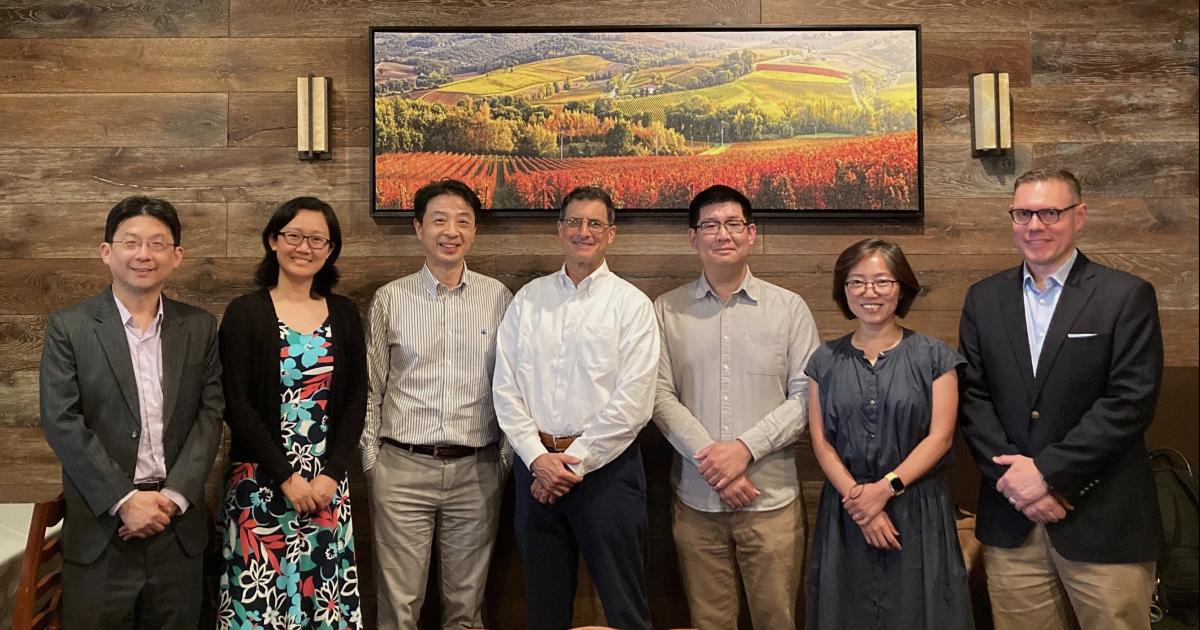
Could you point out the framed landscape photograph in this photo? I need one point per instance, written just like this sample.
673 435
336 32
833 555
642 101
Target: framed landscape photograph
807 121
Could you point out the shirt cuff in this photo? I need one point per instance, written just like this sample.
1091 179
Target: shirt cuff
577 450
756 442
117 507
529 449
176 498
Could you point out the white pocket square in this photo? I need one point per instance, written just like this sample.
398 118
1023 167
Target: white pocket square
1080 335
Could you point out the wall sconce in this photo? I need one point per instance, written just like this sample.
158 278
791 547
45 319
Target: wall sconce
991 114
312 118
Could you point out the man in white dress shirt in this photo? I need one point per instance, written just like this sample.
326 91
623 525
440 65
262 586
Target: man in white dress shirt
731 400
430 441
574 384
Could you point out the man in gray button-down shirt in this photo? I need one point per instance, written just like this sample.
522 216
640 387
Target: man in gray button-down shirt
731 399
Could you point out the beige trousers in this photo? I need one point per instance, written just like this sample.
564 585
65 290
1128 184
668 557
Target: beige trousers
763 548
1032 586
415 499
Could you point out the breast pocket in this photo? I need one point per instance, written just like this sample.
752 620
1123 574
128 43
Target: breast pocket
598 351
764 354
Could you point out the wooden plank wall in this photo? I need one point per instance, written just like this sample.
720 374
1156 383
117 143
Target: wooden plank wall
193 100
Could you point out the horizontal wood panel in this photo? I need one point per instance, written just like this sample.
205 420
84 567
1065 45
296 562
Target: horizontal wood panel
1091 114
114 18
179 175
969 16
113 120
268 119
1117 169
181 65
981 226
352 18
1127 56
948 59
75 230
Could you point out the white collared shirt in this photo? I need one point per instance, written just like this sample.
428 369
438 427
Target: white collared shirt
1040 305
576 360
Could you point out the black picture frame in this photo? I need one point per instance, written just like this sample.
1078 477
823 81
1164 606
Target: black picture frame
620 102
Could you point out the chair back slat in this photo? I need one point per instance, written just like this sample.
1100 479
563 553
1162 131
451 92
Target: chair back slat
37 605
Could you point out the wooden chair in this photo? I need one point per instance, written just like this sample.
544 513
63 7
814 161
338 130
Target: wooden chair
39 597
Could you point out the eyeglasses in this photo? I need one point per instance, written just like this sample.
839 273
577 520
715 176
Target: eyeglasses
132 245
733 226
315 241
594 225
1048 216
882 287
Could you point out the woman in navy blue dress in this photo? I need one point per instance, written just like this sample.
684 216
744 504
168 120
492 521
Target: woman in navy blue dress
882 408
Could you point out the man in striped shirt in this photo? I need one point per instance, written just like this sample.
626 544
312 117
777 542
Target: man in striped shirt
430 446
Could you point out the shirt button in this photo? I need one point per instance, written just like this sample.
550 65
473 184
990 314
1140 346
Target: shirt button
724 367
133 434
1034 414
871 403
1041 301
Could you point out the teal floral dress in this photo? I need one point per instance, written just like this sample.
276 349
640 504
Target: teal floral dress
284 569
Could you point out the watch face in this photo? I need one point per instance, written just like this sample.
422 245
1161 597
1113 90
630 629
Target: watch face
897 485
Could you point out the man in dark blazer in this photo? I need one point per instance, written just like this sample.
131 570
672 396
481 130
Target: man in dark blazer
1064 362
131 403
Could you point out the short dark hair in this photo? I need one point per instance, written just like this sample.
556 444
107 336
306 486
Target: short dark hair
589 193
897 265
719 193
445 187
137 206
1051 174
266 276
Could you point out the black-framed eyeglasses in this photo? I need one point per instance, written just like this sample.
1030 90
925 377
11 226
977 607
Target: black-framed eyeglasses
133 245
882 287
315 241
1048 216
712 226
594 225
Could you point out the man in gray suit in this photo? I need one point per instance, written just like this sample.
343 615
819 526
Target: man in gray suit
131 403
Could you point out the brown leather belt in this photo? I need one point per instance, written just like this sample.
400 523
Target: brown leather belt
556 443
149 486
440 451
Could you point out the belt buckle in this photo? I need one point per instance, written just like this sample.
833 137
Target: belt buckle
555 438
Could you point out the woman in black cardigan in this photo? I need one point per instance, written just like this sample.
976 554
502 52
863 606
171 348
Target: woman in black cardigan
294 374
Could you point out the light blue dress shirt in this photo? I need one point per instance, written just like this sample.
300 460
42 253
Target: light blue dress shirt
1040 305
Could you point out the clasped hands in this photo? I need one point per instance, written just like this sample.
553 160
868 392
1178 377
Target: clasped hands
551 477
145 514
1025 488
864 503
723 465
309 496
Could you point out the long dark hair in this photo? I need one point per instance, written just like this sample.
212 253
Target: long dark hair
266 276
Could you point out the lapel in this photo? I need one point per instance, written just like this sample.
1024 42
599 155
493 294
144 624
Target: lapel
1012 312
110 330
1075 294
174 347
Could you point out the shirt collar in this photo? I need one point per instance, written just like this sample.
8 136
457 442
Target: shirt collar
599 274
127 317
749 287
1059 276
430 283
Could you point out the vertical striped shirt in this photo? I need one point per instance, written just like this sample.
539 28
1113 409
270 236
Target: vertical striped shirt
430 355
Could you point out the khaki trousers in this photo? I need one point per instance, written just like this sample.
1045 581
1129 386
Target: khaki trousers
1032 586
763 548
412 498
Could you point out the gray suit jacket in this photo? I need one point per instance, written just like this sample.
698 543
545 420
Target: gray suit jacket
90 414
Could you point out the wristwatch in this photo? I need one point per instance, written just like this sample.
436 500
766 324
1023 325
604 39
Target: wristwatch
896 483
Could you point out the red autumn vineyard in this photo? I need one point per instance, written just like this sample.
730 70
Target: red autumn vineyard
860 173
